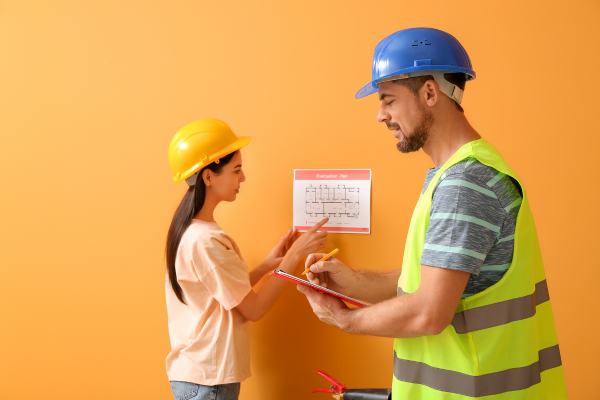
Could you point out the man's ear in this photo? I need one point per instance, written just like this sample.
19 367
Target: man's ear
207 177
431 92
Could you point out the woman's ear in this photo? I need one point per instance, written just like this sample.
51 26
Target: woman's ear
207 177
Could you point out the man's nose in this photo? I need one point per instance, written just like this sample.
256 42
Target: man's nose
382 116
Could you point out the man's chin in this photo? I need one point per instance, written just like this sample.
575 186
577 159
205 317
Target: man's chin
404 147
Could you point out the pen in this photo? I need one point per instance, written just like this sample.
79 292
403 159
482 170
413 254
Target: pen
327 257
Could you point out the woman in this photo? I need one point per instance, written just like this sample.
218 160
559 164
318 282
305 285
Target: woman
209 292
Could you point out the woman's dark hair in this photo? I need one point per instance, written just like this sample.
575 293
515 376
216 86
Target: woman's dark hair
190 205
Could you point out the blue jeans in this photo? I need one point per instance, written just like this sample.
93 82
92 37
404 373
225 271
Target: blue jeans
193 391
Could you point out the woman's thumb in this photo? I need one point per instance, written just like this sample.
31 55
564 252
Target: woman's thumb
285 238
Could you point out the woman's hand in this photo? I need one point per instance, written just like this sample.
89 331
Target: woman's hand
273 259
275 256
255 305
311 242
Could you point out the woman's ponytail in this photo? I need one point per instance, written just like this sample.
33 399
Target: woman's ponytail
190 205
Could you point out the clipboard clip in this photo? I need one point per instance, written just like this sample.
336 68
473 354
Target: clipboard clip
337 389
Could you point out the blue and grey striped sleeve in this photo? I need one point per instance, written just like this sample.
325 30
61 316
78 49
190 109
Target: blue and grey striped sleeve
467 218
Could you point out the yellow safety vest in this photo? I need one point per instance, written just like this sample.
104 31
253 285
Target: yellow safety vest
502 342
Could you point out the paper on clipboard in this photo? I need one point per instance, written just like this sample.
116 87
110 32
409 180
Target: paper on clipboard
282 275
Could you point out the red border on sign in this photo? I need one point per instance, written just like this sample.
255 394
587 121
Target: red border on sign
334 229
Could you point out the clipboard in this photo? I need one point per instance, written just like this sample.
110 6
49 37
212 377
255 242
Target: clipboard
282 275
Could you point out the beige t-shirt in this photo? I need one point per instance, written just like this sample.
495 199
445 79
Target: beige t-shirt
210 343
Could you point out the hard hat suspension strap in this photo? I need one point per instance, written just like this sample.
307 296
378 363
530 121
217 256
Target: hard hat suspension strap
446 87
191 181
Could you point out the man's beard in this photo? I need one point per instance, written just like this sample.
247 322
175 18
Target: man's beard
415 140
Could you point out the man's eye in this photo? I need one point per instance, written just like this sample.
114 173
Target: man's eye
390 102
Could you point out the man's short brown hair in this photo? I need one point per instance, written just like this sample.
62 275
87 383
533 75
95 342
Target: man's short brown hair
415 84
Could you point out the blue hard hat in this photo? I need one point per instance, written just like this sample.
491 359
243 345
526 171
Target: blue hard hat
412 51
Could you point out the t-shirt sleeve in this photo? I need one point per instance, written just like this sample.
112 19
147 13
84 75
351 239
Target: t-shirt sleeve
228 280
465 220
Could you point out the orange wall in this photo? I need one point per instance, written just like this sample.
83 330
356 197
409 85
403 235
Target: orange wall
92 92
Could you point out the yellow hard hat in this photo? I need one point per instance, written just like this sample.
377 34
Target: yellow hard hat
200 143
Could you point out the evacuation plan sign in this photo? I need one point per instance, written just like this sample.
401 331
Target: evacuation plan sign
343 195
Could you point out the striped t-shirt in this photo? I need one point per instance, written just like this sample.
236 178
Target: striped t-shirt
472 223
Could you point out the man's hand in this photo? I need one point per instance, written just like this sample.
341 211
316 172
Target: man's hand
332 274
367 285
328 308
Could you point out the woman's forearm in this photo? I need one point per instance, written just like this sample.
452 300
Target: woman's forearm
270 292
257 273
257 304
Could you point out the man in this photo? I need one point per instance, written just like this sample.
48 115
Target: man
470 309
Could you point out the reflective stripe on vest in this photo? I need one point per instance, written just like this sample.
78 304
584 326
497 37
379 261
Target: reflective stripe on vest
501 341
498 313
501 313
477 386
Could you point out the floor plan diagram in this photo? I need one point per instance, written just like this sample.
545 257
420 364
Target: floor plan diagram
341 195
332 201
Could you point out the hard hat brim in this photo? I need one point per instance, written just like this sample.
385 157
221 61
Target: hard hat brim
235 146
241 142
366 90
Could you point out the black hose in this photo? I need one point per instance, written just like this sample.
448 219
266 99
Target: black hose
368 394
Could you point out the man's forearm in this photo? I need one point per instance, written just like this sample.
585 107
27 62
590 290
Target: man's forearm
426 311
396 318
374 286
